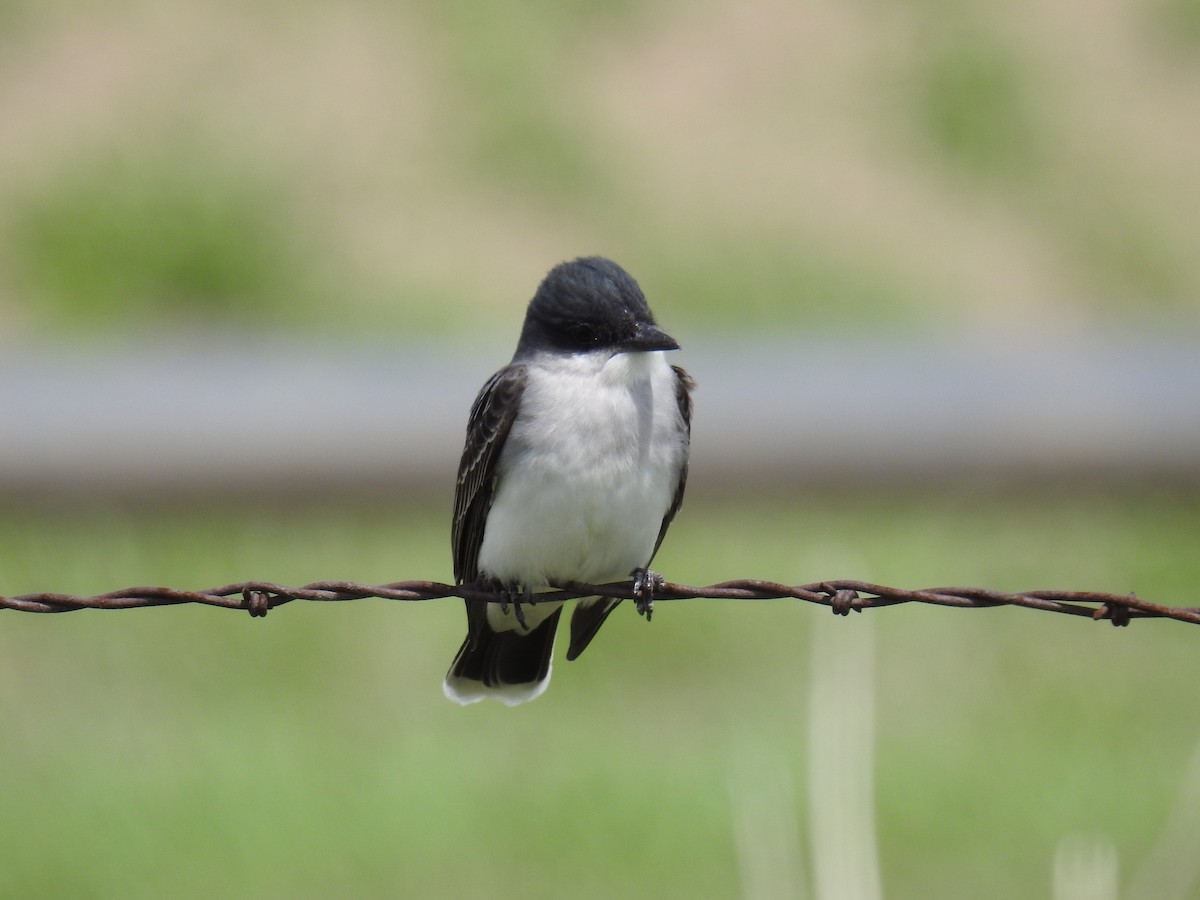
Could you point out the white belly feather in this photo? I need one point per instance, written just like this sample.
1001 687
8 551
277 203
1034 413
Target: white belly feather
586 475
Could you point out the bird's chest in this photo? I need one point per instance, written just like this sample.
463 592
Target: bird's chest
586 475
581 431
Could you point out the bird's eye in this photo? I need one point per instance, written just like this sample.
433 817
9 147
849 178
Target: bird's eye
583 333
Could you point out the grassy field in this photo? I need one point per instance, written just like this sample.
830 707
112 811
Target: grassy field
416 167
197 752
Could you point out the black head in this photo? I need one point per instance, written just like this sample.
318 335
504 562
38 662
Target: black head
590 304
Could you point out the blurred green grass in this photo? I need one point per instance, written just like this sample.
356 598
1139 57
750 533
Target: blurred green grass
166 237
195 752
419 167
975 100
1178 21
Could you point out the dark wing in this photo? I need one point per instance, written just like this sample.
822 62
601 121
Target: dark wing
492 416
683 394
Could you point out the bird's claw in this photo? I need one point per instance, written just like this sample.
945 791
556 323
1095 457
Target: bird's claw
516 595
645 583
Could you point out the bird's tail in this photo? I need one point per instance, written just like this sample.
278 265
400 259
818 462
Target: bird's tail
509 666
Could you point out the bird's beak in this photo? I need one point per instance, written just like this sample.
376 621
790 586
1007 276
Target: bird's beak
649 337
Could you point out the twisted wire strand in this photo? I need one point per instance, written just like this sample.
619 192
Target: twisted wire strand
842 596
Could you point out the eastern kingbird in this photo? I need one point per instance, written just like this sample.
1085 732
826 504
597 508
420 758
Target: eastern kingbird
574 465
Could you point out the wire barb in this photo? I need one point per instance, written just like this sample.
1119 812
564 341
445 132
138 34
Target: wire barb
842 597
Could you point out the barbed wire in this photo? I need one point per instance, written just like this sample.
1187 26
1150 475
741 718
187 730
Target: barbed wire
842 596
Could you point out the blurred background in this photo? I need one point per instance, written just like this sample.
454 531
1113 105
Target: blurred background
256 262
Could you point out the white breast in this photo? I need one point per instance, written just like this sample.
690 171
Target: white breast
588 471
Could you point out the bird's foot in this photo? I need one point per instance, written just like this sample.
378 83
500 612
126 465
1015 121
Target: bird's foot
645 583
517 595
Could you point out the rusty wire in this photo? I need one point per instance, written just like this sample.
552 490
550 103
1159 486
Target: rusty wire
842 596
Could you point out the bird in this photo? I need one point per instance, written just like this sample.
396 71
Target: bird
574 466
